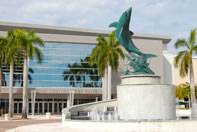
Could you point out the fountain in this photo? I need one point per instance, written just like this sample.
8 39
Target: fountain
140 96
143 102
103 115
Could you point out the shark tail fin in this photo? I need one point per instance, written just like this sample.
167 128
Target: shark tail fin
147 56
114 24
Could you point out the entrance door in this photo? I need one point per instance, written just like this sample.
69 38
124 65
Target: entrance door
60 107
36 108
4 105
50 107
40 108
46 104
16 108
55 107
20 108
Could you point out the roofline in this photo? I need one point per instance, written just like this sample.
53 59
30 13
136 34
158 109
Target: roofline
164 38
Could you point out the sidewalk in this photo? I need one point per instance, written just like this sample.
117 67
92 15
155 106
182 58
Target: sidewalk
16 121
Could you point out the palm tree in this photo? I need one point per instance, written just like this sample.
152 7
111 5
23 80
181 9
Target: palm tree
71 74
184 60
83 69
13 56
3 43
94 75
30 43
92 72
18 78
106 55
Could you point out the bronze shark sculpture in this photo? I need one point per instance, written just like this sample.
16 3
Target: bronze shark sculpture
124 36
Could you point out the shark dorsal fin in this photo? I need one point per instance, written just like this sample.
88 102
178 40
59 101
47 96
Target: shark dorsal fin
114 24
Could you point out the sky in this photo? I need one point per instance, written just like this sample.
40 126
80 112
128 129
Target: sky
173 18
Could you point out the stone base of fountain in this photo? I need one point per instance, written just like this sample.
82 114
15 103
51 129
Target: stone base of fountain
143 97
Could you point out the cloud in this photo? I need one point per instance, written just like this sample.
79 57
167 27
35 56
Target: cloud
75 13
165 17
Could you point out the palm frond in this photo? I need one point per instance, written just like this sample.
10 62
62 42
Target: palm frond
194 49
39 55
107 52
182 43
179 57
192 38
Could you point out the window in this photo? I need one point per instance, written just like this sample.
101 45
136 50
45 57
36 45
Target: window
64 65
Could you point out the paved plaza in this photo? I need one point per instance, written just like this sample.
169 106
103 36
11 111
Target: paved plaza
17 122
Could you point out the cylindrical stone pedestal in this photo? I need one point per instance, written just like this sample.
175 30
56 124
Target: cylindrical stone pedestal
48 115
7 117
142 97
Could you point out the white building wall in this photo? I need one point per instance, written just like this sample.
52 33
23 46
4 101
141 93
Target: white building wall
172 74
168 62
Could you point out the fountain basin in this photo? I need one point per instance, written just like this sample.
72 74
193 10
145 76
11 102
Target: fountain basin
144 98
131 126
140 79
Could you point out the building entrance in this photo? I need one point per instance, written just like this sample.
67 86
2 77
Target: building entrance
41 105
4 103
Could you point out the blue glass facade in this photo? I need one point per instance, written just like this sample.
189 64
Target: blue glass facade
63 66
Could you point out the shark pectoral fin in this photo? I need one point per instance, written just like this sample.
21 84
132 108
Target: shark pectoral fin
114 24
147 56
131 33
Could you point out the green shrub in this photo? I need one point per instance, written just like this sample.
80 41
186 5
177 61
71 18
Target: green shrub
183 90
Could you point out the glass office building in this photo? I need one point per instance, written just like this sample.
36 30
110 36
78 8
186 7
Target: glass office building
64 65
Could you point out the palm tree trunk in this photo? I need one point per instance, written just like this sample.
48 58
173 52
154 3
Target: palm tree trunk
84 81
192 89
192 86
0 78
25 79
109 83
95 81
3 79
11 90
104 86
73 83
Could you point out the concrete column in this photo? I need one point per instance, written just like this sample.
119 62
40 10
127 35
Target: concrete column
49 107
38 107
17 108
33 100
57 106
53 108
72 97
43 106
109 83
68 100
